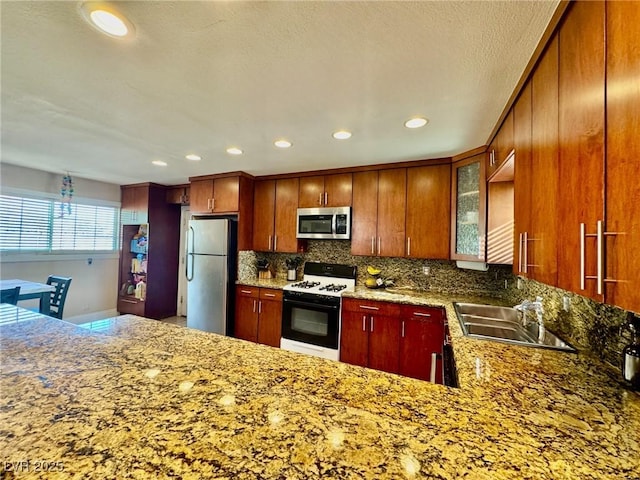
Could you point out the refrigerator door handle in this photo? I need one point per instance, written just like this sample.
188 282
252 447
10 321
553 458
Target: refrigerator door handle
190 254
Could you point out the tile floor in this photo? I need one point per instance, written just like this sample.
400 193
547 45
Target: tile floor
182 321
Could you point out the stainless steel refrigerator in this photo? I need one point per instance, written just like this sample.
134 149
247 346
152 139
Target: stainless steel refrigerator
211 273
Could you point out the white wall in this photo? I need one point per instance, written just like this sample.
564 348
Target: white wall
94 288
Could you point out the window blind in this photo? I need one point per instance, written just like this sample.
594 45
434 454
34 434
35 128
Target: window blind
41 225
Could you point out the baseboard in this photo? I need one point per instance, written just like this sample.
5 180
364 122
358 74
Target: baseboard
89 317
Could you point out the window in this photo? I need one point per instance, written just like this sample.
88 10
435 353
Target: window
46 226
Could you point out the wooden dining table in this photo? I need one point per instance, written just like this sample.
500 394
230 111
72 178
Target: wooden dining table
31 290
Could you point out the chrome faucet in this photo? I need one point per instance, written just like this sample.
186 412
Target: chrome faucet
528 306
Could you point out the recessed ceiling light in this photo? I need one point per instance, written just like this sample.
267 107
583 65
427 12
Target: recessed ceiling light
341 135
107 19
282 143
234 151
416 122
159 163
193 157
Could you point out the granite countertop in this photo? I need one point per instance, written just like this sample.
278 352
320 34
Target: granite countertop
138 398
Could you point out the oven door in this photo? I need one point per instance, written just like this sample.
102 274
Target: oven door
312 321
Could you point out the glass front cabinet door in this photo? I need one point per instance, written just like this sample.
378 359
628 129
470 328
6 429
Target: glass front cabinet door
468 209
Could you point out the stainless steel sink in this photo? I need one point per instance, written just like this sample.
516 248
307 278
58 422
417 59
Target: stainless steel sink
503 324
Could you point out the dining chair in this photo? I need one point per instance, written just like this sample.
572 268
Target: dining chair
59 295
10 295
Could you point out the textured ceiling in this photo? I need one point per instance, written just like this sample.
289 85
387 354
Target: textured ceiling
203 76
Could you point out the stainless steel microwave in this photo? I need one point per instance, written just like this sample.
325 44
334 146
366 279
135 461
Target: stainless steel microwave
324 223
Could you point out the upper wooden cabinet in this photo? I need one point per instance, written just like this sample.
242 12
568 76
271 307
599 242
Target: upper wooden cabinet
542 241
134 204
428 211
379 206
522 179
219 195
325 191
468 209
620 235
274 219
178 194
501 146
581 167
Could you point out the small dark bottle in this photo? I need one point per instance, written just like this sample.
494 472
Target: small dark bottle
631 353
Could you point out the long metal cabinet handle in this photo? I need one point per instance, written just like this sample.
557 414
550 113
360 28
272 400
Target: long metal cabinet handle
600 257
269 295
364 320
402 328
582 261
408 246
372 324
260 307
326 198
245 291
432 374
320 199
373 241
213 204
254 307
367 307
379 242
190 255
269 242
525 242
275 243
520 253
418 314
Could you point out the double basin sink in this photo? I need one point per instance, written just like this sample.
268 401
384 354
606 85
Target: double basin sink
504 324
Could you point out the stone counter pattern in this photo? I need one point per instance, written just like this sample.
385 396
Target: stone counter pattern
144 399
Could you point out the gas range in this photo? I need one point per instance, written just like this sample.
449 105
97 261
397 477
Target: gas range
311 309
325 279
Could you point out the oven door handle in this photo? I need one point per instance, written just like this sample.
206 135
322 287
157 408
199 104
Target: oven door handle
315 306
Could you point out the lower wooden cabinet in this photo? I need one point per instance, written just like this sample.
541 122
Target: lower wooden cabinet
370 334
392 337
258 315
422 335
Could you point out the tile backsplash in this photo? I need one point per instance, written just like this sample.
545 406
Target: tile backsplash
587 325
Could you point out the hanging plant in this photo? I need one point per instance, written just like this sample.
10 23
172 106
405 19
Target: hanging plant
66 192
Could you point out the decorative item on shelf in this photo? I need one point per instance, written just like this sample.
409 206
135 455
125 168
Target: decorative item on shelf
292 267
264 270
375 280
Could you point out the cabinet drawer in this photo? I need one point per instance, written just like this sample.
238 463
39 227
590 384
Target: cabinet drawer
131 306
419 312
271 294
370 307
244 291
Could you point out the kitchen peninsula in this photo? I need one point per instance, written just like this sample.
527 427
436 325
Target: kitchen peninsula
138 398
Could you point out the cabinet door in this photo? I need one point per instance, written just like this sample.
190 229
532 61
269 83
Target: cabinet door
226 194
311 192
285 240
428 211
246 317
201 192
338 190
384 343
469 207
544 179
422 334
270 317
522 179
392 203
505 141
623 154
491 157
134 205
175 195
354 338
364 218
263 215
581 133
